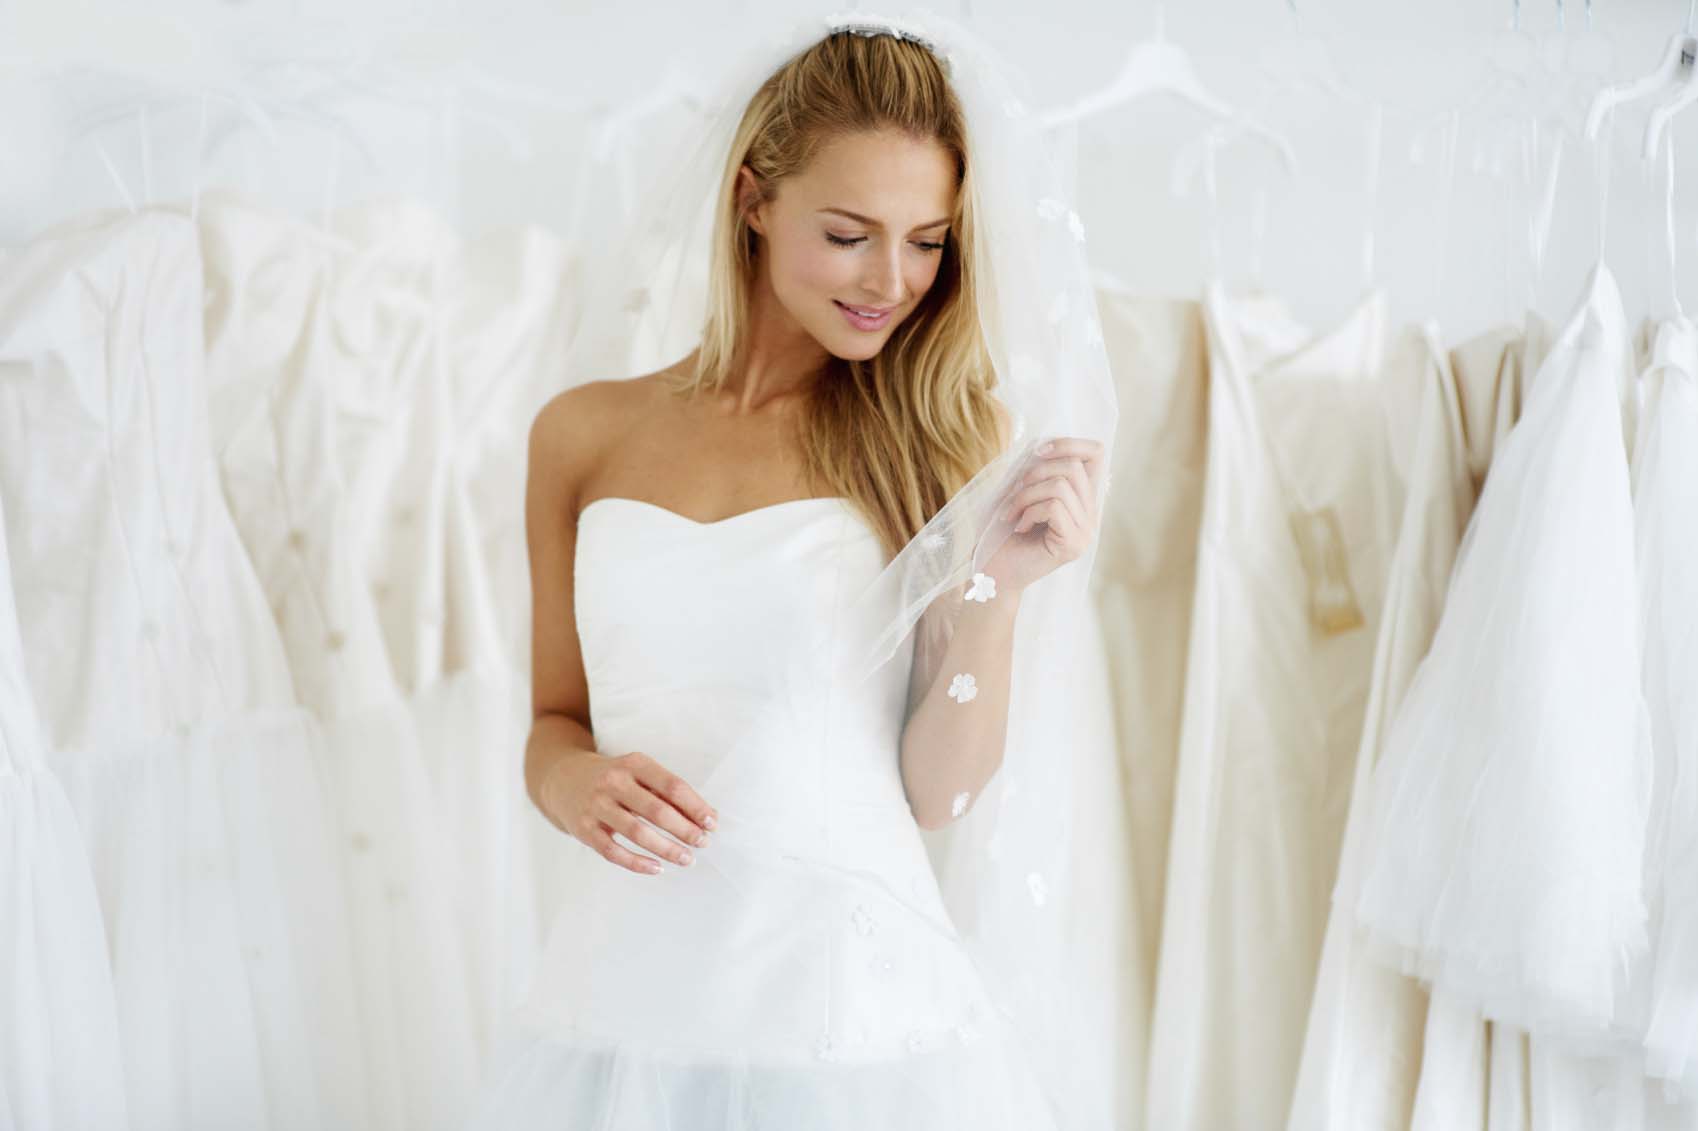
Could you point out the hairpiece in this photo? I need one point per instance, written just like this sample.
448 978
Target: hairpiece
868 24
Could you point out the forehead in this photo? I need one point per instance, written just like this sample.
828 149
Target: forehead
885 175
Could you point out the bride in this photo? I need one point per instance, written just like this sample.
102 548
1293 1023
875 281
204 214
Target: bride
731 716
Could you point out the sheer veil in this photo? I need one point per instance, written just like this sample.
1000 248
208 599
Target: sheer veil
1006 864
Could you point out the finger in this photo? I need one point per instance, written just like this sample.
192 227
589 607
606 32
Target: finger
1075 447
1071 467
1052 487
646 836
601 839
1051 512
660 813
679 794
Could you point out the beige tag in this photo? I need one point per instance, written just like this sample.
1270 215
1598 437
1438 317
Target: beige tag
1320 541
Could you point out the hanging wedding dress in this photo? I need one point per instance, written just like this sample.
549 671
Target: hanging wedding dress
1509 804
1665 470
165 693
416 544
274 365
60 1065
1299 517
1362 1046
1147 572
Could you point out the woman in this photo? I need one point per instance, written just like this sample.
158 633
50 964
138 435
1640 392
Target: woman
716 549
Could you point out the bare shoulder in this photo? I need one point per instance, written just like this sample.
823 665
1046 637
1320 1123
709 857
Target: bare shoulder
575 428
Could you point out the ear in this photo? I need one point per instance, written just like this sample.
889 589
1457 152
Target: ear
749 198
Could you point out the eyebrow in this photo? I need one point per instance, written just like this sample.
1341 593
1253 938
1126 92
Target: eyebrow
869 221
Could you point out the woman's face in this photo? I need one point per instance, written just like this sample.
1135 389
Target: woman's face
853 242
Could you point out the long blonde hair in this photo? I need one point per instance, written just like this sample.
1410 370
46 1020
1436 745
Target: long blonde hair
901 432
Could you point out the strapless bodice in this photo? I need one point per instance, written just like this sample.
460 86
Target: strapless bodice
704 640
710 647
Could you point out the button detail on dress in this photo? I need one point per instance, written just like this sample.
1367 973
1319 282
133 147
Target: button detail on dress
863 919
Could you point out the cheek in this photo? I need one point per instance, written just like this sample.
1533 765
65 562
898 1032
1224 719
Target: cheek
816 267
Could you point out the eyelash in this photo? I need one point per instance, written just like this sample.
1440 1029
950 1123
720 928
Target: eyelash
927 246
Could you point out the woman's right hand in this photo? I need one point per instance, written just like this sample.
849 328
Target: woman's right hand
593 796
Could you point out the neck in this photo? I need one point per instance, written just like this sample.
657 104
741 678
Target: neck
781 360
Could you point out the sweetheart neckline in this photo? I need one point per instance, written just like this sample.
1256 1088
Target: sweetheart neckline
730 518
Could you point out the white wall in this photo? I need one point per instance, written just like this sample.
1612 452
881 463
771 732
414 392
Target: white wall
1462 258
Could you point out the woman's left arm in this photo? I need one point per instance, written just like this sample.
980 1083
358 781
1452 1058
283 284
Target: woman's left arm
953 741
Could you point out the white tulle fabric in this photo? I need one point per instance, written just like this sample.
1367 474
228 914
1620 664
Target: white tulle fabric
826 986
1510 803
165 694
60 1064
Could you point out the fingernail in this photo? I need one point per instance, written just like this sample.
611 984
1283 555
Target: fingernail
685 857
708 822
652 868
701 839
1046 447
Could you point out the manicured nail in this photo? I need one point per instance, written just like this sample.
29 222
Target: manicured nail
685 857
708 822
652 867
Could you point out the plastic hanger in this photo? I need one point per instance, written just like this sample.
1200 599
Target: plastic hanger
1687 94
1158 66
1675 70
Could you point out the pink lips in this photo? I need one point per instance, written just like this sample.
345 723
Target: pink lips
862 322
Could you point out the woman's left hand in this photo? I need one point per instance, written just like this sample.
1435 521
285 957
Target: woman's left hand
1053 508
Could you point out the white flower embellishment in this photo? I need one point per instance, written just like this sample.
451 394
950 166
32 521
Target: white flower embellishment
1076 226
982 589
1039 889
958 805
962 687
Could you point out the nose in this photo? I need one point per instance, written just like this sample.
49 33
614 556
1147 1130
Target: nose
883 280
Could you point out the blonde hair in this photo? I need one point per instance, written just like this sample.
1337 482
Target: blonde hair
901 432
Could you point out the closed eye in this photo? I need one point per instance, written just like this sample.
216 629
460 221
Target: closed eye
928 246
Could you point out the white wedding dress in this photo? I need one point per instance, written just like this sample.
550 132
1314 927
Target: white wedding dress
802 974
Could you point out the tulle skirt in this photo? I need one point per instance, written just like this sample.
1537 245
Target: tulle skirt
554 1082
764 986
1509 808
60 1064
226 913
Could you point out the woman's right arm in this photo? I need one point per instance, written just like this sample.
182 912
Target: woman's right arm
585 794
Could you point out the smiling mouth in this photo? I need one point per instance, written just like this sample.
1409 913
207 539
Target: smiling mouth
865 317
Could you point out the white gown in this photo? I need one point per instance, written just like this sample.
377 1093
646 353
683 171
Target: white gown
60 1065
1277 682
1666 509
802 974
418 543
273 367
165 693
1509 805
